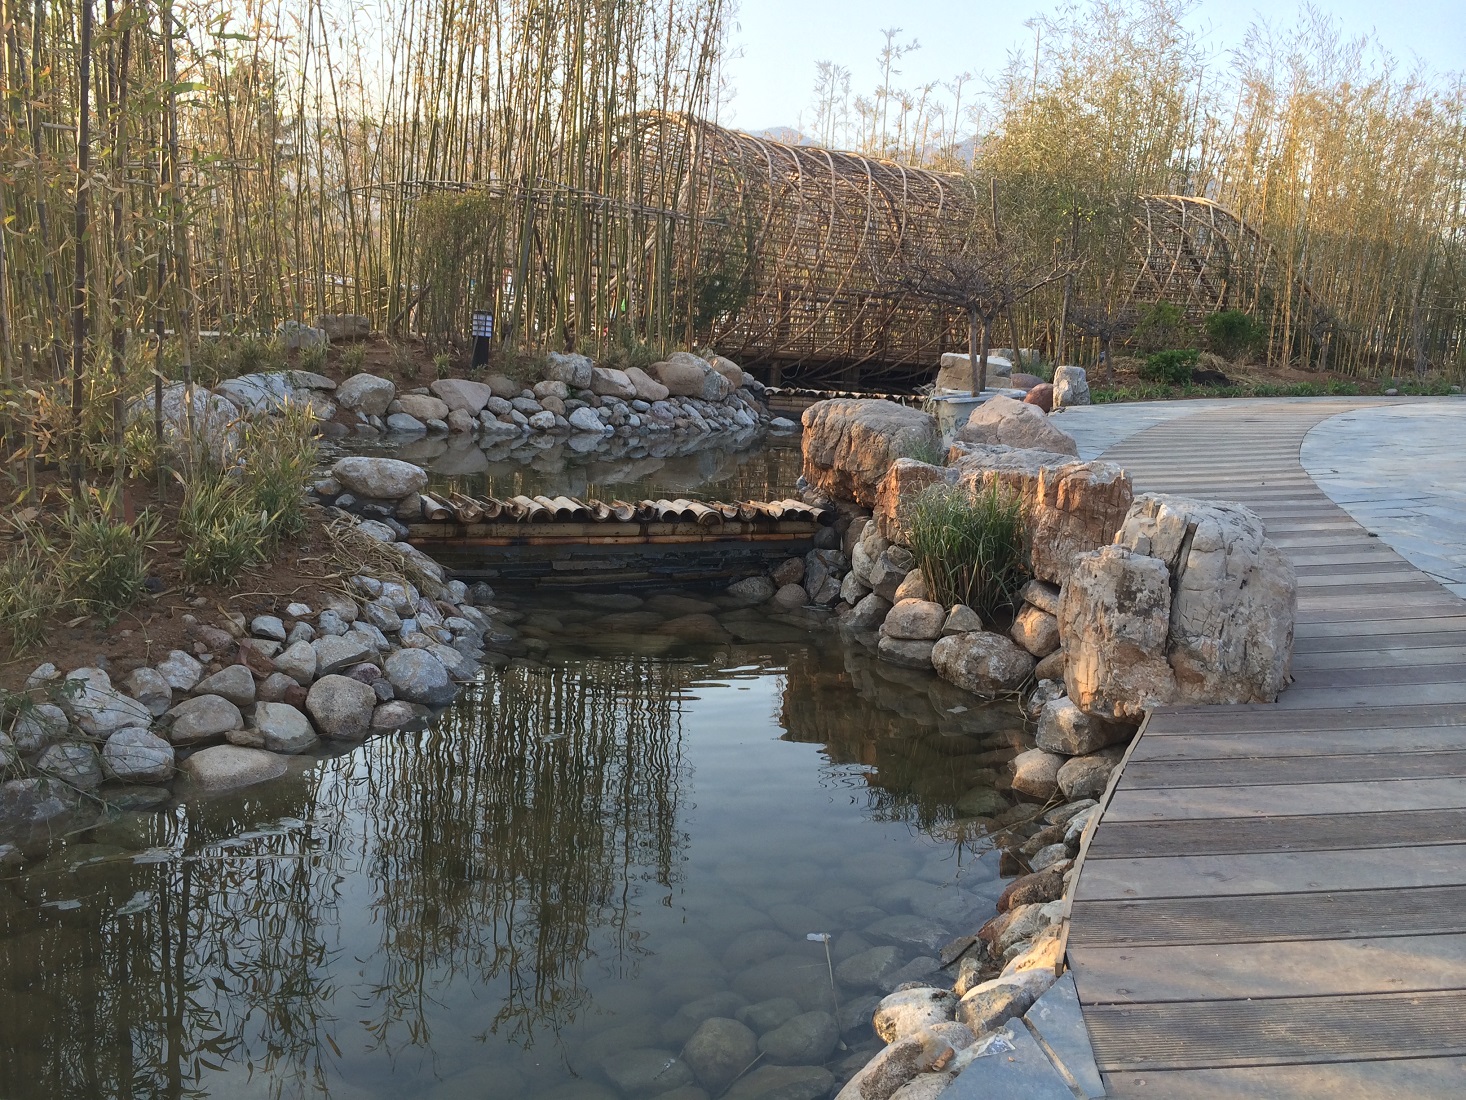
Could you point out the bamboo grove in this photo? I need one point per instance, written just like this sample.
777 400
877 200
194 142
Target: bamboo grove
189 166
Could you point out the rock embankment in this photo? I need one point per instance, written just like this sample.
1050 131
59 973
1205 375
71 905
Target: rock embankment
383 654
1135 602
686 396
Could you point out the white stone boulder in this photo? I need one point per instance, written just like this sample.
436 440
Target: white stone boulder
1234 597
1114 615
181 670
76 765
136 755
918 620
647 387
277 727
1071 507
1035 630
419 677
983 663
567 367
1004 422
149 687
1064 728
203 718
380 478
341 707
462 394
610 382
97 707
954 374
234 682
850 444
1071 387
911 1010
228 767
1036 773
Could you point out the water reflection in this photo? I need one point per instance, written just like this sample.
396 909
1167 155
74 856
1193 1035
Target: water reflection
734 469
490 908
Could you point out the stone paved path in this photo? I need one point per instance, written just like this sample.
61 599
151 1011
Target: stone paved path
1274 903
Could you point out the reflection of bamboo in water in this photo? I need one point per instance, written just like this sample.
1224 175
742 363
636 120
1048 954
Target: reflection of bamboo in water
496 847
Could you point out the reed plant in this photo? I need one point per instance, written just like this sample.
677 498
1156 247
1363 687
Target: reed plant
972 549
221 528
104 560
276 458
29 593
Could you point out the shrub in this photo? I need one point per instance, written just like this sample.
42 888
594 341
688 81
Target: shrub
312 358
971 550
104 567
277 456
28 591
1163 325
443 365
1172 367
1230 333
353 359
220 525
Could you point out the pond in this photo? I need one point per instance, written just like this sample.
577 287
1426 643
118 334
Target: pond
737 466
605 840
636 821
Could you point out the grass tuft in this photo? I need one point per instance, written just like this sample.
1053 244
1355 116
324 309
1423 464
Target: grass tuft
972 550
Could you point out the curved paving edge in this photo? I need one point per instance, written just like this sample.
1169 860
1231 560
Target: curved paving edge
1400 471
1269 906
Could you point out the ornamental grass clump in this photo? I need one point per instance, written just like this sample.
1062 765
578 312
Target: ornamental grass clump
276 459
971 550
103 568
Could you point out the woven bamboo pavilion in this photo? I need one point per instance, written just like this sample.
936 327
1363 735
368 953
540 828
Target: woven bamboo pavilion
796 238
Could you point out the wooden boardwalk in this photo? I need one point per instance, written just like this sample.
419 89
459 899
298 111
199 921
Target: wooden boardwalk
1274 904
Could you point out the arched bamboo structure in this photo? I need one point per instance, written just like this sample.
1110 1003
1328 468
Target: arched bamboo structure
788 250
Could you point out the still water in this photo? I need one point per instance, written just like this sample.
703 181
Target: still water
740 466
609 838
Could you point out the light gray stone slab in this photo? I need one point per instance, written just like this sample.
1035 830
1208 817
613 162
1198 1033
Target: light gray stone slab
1014 1067
1060 1027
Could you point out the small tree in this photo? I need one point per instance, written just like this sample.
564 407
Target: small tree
1107 322
983 280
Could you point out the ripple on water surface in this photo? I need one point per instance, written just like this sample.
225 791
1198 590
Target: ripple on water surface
544 895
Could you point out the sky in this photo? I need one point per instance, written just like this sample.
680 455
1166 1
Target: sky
779 41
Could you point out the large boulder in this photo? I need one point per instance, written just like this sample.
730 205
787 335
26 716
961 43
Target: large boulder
226 767
97 707
423 407
419 677
382 478
1234 597
688 375
1064 728
647 387
850 445
916 620
719 1050
955 373
203 718
1008 423
341 707
1071 387
982 663
906 480
1072 507
194 413
1114 614
462 394
610 382
280 728
137 756
567 367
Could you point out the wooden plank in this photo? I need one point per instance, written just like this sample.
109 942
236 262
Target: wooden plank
1225 746
1209 1034
1371 697
1269 918
1416 672
1377 657
1377 964
1267 719
1273 872
1284 800
1296 833
1415 1078
1388 763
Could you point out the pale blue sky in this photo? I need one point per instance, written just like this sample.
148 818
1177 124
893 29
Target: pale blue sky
780 40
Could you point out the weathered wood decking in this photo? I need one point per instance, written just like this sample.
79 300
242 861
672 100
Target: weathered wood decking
1274 904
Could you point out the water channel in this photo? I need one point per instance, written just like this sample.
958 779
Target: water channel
617 833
